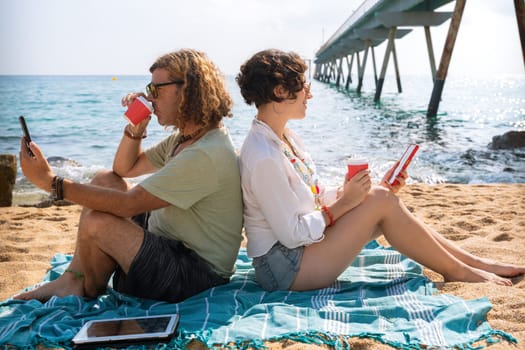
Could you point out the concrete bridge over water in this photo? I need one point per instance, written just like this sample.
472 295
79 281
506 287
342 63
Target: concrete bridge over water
377 21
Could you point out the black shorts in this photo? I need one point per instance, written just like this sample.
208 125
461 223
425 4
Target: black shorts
165 269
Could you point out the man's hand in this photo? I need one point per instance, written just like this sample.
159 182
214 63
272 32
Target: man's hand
35 167
140 128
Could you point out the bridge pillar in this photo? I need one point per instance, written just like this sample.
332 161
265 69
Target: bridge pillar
339 71
396 66
362 67
358 65
441 74
519 6
388 50
430 50
374 64
349 66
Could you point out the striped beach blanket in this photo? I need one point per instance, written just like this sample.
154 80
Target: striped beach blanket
382 296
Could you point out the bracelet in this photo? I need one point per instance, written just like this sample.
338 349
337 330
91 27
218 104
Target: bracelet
133 136
54 187
57 188
330 216
78 275
60 188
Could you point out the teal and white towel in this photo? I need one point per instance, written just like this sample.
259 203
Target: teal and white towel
383 296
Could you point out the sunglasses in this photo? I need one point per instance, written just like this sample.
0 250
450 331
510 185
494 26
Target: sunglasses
153 89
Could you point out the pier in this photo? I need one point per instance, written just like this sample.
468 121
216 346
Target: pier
379 21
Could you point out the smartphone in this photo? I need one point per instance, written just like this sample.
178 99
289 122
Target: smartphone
27 136
403 163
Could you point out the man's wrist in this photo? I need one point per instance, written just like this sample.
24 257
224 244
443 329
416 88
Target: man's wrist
135 136
57 189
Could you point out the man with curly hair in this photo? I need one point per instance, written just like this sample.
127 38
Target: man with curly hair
187 215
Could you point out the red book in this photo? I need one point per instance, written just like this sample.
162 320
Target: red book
403 163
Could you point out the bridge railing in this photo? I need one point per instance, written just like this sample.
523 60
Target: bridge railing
357 14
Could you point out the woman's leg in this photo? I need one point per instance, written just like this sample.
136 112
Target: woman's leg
323 262
489 265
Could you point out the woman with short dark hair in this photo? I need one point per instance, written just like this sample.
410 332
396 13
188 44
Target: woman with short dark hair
302 235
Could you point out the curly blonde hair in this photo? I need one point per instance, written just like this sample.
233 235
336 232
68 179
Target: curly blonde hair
205 99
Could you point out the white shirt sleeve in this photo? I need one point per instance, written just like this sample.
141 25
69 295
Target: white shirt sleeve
293 223
329 195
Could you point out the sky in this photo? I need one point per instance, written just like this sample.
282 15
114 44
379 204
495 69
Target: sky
117 37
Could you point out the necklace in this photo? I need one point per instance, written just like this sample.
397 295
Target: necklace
183 138
304 169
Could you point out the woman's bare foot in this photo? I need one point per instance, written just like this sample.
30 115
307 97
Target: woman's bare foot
472 274
501 269
63 286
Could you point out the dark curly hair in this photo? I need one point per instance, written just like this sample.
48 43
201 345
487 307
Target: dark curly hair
267 69
204 98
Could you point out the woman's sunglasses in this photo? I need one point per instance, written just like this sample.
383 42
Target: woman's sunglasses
152 89
307 87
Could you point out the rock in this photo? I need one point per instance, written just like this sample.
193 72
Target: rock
509 140
7 179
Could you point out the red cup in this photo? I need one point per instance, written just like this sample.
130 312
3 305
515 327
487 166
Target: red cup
138 110
355 165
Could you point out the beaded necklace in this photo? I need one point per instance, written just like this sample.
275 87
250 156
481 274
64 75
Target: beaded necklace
183 138
304 168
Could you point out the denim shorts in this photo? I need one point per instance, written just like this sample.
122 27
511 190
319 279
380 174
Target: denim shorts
277 269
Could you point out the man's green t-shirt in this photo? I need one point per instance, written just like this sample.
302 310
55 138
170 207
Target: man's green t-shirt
202 184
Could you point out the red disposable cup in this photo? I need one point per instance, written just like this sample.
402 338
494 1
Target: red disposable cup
138 110
355 165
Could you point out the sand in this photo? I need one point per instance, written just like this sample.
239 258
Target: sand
487 220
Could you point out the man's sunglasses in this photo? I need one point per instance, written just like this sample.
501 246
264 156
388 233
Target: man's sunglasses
152 89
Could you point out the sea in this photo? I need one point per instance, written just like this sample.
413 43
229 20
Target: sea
78 122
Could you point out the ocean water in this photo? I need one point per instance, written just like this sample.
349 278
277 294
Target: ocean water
78 121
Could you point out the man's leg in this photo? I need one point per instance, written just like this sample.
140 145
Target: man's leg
103 241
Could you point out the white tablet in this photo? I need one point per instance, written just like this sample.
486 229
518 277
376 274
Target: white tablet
127 330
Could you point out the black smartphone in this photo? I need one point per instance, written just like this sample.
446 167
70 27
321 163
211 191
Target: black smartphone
27 136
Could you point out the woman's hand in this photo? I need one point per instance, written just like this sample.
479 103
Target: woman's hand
35 167
356 189
401 180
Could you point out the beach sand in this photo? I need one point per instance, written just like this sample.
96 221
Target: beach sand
487 220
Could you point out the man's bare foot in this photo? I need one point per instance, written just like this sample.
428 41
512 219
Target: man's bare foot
63 286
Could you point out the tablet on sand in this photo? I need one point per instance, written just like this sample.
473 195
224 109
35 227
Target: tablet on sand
127 330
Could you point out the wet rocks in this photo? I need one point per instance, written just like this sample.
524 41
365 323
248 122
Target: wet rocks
509 140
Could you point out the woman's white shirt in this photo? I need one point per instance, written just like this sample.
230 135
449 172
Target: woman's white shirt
278 204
